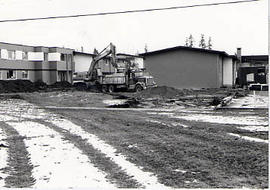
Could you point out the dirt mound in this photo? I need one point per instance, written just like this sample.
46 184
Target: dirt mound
40 85
164 92
8 86
62 84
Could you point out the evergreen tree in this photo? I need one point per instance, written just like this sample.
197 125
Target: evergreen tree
95 51
202 42
209 45
145 48
190 41
186 42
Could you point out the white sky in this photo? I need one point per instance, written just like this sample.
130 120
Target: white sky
242 25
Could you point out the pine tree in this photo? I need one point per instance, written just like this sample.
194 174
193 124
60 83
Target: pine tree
202 42
186 42
190 41
145 48
209 45
95 51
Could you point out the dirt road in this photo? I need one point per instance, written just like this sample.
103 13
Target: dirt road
157 148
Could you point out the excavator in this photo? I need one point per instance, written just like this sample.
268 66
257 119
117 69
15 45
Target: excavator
110 72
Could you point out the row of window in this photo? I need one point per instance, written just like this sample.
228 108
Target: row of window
13 74
11 55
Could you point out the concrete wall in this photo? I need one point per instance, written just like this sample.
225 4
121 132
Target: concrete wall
185 69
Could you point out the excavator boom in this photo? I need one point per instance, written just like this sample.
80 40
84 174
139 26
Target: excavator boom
100 56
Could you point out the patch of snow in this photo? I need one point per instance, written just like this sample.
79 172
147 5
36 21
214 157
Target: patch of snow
5 118
57 163
155 121
255 128
160 113
240 120
178 170
249 138
147 179
115 102
175 124
3 158
250 101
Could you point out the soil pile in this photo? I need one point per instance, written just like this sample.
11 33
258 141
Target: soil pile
9 86
40 85
163 92
62 84
13 86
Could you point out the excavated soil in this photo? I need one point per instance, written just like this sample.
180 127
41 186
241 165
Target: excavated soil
13 86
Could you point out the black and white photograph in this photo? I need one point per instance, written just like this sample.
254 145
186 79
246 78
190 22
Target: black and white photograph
125 94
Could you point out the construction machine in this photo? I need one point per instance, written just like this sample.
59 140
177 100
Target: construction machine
111 72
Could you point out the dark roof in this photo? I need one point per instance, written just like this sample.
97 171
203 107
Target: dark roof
254 58
129 55
82 53
185 48
34 46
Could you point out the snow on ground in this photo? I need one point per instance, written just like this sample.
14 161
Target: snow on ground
57 163
114 102
249 138
22 109
3 158
147 179
255 128
250 101
236 120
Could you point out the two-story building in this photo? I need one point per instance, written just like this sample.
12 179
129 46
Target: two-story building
36 63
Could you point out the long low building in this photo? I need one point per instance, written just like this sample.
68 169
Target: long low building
186 67
36 63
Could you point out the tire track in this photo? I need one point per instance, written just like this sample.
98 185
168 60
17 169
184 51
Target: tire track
133 174
147 179
25 111
57 163
3 157
114 172
19 168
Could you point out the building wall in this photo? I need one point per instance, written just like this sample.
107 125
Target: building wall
82 62
228 72
35 63
185 69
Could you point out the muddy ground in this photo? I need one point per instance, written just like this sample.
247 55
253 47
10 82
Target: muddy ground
179 138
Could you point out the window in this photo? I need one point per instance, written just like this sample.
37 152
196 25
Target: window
24 55
1 75
0 54
25 74
63 57
11 54
11 74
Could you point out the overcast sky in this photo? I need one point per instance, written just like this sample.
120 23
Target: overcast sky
242 25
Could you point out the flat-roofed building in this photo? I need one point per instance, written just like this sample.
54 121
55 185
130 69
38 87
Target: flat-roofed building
36 63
